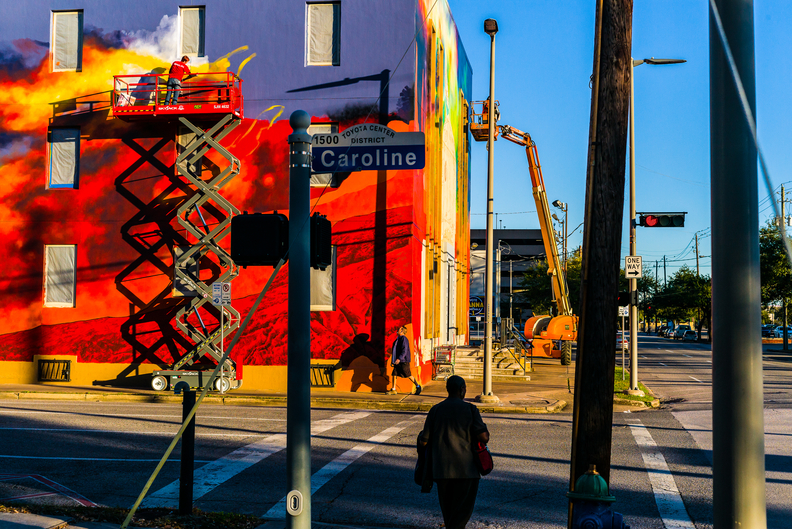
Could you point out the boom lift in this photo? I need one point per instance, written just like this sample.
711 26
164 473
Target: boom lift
545 329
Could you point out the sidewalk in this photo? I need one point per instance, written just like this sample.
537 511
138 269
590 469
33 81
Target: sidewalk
546 392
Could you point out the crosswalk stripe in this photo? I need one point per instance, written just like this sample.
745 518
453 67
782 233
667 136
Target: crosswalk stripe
210 476
669 501
334 467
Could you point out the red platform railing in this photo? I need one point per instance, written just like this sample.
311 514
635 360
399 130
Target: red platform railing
143 95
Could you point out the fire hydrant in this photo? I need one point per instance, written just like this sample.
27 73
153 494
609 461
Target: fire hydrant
592 504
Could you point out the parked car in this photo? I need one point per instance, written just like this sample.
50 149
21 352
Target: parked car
767 330
690 336
664 331
778 332
679 332
619 342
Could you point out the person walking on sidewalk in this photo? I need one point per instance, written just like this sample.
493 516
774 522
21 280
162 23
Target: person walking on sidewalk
175 77
451 429
400 360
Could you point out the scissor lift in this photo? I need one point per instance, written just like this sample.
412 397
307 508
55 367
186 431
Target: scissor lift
214 104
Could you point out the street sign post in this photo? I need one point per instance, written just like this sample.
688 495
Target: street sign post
221 296
633 266
367 147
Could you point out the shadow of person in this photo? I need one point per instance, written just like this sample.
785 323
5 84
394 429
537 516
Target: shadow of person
146 89
366 363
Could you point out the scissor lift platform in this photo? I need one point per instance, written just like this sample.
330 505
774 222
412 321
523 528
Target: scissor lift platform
205 95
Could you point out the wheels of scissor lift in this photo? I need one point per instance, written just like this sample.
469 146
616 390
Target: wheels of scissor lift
159 383
222 384
566 353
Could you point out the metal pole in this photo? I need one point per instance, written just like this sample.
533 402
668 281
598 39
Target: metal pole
186 475
633 282
737 396
665 280
486 391
298 403
511 302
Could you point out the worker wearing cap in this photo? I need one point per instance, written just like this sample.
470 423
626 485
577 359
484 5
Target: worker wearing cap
175 77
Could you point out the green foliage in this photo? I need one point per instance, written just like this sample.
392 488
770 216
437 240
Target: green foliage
537 287
773 266
686 295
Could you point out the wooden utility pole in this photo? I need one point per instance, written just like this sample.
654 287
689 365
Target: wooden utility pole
592 415
697 257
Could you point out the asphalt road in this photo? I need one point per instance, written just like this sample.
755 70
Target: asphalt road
103 453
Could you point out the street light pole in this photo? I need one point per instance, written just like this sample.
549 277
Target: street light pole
634 282
491 28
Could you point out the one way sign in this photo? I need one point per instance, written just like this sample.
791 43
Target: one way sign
633 267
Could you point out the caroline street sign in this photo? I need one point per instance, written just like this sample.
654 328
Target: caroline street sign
367 147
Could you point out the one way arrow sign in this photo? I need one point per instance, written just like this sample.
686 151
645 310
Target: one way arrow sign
633 267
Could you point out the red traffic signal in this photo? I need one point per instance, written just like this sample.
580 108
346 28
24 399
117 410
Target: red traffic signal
662 220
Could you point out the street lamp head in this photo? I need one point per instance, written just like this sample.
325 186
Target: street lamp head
490 27
664 61
560 205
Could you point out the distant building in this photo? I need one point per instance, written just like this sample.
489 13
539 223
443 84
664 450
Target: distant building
520 249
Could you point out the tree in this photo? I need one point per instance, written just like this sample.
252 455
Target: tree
774 266
687 294
537 287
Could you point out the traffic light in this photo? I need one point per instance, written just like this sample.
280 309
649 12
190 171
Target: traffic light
259 239
662 220
321 249
624 299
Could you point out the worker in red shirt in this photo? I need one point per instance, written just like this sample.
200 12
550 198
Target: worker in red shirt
175 77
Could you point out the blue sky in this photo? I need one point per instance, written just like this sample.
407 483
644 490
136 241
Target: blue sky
543 62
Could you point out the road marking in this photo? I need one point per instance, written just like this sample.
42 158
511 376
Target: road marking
670 351
644 357
669 502
57 487
683 354
334 467
697 380
210 476
138 432
662 364
710 361
123 460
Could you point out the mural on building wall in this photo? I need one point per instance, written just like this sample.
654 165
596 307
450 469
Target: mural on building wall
121 217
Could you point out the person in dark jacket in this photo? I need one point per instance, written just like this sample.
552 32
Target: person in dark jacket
451 428
400 360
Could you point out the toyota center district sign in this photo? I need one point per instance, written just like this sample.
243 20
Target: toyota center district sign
367 147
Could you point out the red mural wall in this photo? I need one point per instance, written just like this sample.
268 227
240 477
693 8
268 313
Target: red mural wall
121 217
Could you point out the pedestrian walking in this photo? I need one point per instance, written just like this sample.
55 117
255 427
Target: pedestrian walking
400 360
452 429
175 77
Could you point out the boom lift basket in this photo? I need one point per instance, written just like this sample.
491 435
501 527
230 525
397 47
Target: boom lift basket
479 119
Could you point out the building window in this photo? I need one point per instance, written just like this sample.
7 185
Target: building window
192 31
66 41
323 179
323 34
323 287
64 158
60 275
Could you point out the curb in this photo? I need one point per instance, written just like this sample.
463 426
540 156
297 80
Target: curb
655 403
223 400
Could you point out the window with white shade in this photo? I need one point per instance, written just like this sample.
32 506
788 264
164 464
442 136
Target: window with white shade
322 34
323 287
192 31
60 275
323 179
66 41
64 158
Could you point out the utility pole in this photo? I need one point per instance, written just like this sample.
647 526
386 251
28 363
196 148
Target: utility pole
511 299
298 402
782 226
665 281
697 257
592 415
737 394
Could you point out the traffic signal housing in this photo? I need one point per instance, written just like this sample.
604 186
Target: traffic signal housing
259 239
661 220
321 248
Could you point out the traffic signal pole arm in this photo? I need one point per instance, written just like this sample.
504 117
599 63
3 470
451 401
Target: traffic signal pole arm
543 209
